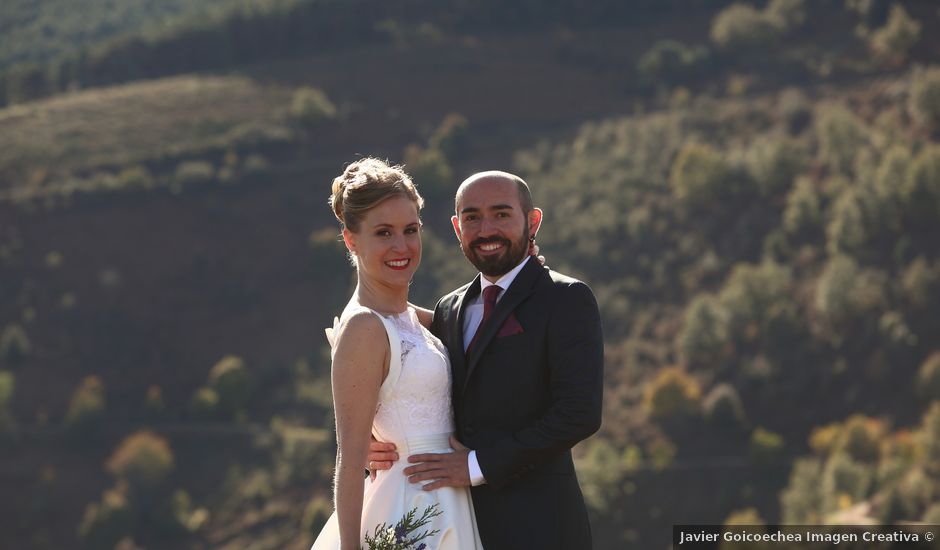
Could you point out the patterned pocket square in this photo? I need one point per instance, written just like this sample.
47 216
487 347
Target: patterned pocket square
510 327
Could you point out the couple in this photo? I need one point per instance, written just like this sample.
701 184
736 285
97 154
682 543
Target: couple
476 405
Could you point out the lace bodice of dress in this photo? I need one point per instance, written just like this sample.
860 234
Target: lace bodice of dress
419 403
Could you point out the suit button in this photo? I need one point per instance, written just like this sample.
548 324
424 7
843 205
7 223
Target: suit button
469 429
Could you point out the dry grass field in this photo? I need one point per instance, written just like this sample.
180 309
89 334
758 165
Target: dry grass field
130 123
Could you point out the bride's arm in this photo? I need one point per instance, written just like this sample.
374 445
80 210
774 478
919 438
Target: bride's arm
357 375
424 315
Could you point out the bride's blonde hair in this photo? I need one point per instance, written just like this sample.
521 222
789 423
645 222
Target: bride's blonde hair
364 185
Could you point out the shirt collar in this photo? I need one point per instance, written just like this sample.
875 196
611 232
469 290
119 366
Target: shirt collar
505 280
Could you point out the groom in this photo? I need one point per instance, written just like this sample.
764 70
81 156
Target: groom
527 357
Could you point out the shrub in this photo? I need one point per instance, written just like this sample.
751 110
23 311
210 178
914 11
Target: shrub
672 63
194 172
786 15
87 405
661 452
311 107
765 448
176 516
7 385
924 100
849 229
430 170
844 482
135 177
673 394
603 472
316 513
700 176
920 284
774 164
932 515
896 334
106 522
747 516
845 292
761 311
801 501
723 408
303 454
928 378
14 343
704 334
893 41
143 459
894 164
841 136
153 402
860 438
451 137
229 378
802 217
204 403
741 27
930 439
920 190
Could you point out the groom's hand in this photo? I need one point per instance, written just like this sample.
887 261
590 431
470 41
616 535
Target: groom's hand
381 456
446 469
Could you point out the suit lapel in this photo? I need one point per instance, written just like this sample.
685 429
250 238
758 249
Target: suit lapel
518 291
458 359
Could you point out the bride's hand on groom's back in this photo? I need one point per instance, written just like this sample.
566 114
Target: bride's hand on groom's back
381 456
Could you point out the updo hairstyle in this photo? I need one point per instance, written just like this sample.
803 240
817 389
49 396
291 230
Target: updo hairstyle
364 185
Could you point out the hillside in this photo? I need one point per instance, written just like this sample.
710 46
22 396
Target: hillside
760 233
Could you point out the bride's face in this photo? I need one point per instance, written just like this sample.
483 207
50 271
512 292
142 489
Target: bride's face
387 245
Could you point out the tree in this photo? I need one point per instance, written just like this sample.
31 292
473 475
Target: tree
741 27
892 42
144 460
924 100
703 338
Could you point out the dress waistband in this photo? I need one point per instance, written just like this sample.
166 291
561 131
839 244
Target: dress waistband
425 443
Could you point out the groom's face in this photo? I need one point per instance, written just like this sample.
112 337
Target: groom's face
493 230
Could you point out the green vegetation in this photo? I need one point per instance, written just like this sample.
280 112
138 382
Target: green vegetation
14 343
924 102
80 136
672 395
859 460
41 31
87 407
143 460
311 107
7 422
758 222
892 42
230 380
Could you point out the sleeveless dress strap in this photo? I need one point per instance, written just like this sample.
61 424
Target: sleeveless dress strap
394 359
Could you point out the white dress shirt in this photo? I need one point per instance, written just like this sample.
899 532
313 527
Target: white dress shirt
471 322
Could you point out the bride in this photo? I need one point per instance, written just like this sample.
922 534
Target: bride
391 377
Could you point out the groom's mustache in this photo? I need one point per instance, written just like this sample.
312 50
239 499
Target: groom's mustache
481 241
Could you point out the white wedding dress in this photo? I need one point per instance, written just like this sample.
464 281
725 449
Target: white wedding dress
414 412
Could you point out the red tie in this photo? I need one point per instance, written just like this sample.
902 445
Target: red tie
490 294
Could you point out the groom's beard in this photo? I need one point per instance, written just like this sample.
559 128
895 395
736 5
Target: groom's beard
499 264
